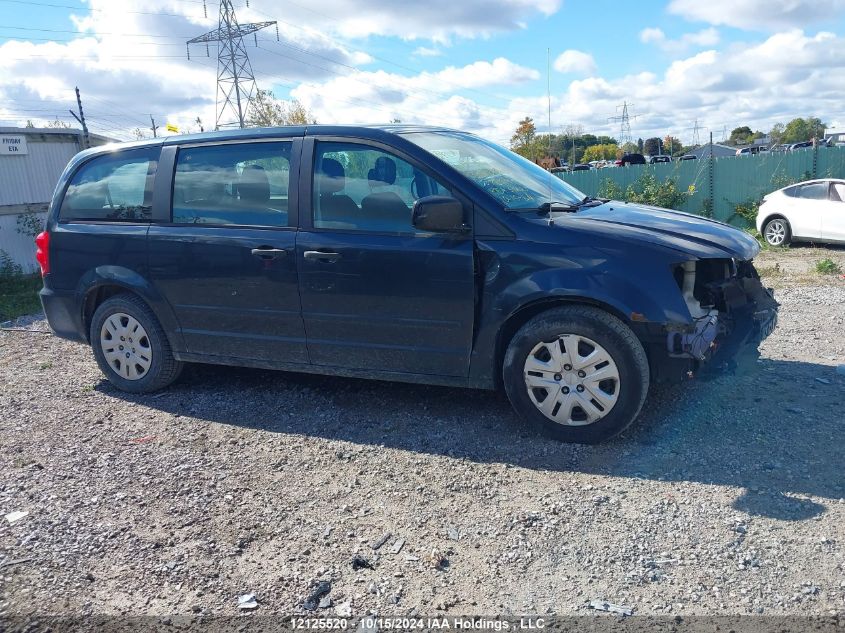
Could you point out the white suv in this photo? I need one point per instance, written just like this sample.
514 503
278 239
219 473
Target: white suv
809 211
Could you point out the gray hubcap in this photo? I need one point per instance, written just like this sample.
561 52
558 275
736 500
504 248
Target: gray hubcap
775 232
572 380
125 345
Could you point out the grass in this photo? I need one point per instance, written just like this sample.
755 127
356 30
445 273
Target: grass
828 267
19 295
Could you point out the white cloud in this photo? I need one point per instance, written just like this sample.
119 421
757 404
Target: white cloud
759 14
437 20
577 62
424 51
703 38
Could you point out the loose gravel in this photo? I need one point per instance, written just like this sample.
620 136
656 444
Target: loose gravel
724 498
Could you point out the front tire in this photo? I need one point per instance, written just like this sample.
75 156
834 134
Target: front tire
777 232
130 346
576 373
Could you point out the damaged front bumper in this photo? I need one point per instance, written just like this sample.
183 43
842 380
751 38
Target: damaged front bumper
731 317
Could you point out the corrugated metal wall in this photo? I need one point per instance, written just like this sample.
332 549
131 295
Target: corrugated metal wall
735 180
18 246
30 179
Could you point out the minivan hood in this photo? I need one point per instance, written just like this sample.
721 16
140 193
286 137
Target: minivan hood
692 234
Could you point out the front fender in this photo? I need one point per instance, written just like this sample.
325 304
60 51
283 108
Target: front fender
103 276
639 288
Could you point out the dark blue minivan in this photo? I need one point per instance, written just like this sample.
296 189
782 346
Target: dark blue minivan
398 253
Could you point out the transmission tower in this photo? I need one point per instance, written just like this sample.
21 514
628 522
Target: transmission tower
696 141
624 121
235 81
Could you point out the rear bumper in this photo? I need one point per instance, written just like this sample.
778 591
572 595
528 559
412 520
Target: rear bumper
64 314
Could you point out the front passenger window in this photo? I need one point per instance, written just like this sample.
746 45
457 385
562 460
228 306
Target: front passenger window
358 187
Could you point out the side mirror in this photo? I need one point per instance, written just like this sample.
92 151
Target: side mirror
438 214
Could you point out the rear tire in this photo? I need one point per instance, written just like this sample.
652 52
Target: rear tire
130 346
589 362
777 232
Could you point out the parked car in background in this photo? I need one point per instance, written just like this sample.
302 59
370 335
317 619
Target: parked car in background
582 167
803 145
660 158
779 148
631 159
688 157
748 151
400 253
809 211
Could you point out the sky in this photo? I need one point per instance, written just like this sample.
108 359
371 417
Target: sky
476 65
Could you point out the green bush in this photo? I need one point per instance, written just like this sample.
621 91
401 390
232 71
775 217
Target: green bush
747 212
646 190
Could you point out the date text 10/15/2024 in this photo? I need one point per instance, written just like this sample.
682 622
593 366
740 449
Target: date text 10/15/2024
381 623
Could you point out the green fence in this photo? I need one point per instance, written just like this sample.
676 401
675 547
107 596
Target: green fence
726 181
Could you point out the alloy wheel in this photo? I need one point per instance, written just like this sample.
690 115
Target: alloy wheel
776 232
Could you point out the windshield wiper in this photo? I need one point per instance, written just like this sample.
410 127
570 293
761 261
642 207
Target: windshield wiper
589 201
549 207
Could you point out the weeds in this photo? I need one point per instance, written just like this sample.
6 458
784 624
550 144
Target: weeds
828 267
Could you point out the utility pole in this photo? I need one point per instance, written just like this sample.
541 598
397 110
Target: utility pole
81 119
154 127
235 81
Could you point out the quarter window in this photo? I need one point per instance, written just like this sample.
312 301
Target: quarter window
114 187
363 188
837 191
243 184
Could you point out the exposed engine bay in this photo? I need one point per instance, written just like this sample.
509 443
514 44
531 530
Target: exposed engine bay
727 303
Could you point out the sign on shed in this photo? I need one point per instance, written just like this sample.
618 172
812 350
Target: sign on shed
13 145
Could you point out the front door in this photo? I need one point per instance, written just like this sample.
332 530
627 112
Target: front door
833 220
377 294
227 260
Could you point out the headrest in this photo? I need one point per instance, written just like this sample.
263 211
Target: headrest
253 185
332 177
384 171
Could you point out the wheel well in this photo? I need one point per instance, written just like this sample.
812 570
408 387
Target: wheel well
94 298
528 312
774 216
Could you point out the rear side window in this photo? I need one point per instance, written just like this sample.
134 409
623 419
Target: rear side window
814 191
114 187
244 184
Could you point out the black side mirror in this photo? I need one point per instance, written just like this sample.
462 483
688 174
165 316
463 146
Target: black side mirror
438 214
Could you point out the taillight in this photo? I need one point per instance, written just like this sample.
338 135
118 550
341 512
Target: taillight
42 251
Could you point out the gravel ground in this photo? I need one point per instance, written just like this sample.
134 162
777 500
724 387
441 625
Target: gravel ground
724 498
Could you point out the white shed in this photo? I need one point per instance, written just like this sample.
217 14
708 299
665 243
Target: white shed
31 161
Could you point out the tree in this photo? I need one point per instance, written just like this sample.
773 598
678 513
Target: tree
29 123
605 151
671 145
524 135
740 134
798 130
651 146
640 144
267 111
631 148
57 123
139 134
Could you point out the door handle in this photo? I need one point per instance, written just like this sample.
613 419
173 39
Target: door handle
322 256
266 252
